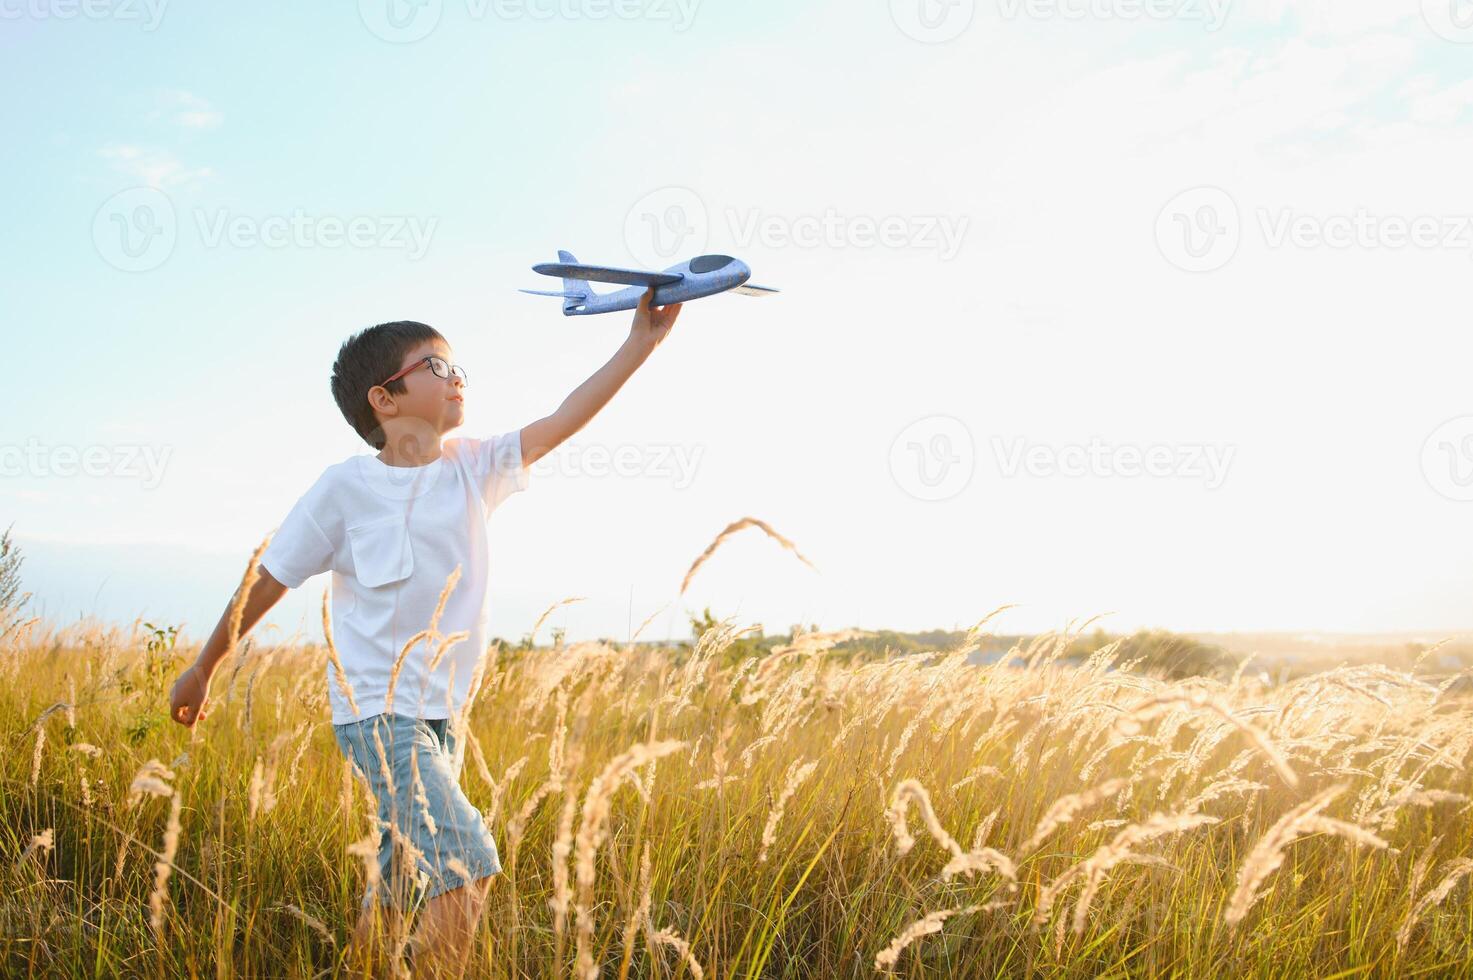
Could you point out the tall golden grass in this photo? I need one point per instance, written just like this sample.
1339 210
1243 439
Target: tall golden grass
694 814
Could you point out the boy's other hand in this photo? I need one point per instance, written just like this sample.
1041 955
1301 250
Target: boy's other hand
187 701
652 325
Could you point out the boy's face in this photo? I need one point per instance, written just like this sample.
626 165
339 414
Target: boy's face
427 396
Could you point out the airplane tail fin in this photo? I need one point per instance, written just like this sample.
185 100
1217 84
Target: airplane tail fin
574 289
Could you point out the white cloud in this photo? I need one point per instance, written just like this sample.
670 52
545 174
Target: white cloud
154 167
187 110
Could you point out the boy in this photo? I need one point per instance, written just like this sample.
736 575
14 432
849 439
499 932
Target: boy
392 528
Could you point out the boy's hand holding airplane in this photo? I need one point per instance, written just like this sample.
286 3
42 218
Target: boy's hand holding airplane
651 326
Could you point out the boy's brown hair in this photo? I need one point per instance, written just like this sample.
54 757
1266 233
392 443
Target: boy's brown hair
365 360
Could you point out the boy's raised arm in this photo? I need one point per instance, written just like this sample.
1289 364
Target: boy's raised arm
648 329
187 700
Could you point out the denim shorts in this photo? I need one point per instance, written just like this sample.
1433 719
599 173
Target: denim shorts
440 826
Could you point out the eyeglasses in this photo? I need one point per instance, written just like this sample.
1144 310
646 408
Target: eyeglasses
438 365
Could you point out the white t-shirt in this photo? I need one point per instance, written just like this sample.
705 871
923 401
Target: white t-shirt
391 536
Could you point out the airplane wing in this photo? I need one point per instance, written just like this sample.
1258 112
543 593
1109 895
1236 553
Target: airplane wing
605 273
565 294
747 289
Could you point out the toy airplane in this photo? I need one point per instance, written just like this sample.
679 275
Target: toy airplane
704 275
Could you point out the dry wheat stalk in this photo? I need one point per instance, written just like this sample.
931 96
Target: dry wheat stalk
1066 808
1457 869
975 775
648 619
1130 723
339 673
1222 787
36 755
432 633
733 528
403 655
797 773
41 844
562 847
366 849
908 791
419 792
1268 853
658 937
532 636
316 924
163 867
900 745
150 779
479 757
498 790
1118 852
237 605
518 823
1413 795
591 834
886 959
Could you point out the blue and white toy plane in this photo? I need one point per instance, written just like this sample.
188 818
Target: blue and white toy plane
704 275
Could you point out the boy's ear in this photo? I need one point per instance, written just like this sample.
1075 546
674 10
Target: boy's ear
381 401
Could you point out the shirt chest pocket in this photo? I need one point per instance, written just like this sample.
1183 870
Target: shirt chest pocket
381 552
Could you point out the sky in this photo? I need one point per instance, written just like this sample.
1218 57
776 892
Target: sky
1149 309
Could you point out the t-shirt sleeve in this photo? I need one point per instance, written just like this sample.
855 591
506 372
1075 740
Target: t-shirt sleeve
299 549
497 464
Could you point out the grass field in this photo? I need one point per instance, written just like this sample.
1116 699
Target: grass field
804 814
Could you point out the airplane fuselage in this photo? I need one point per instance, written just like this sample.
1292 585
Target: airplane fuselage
704 275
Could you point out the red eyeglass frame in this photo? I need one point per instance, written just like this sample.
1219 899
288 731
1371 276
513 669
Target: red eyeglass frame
456 371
